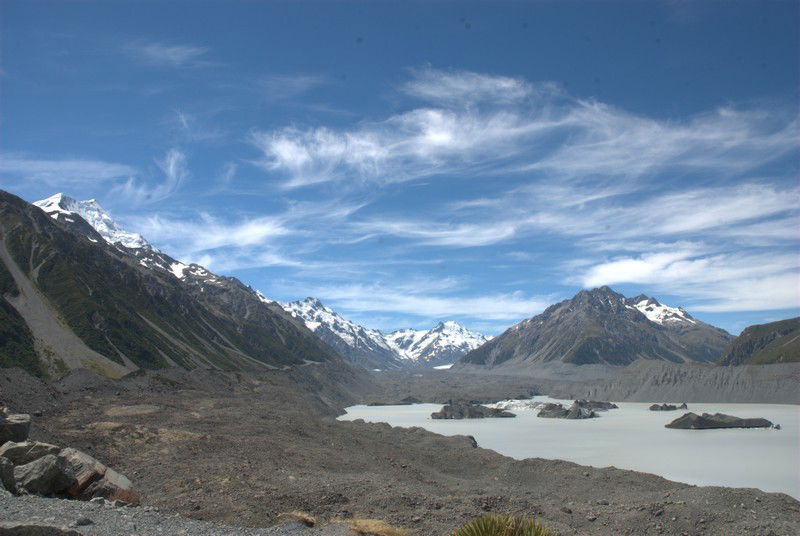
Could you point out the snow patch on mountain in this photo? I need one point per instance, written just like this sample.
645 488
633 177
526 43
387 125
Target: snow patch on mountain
443 344
659 313
60 205
315 314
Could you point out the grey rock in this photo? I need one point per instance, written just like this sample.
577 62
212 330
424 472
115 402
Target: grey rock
580 409
7 481
706 421
22 528
26 451
663 407
14 427
463 410
47 476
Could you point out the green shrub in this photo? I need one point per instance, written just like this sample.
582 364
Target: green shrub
502 526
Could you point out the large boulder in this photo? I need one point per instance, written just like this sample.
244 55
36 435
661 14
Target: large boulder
14 426
114 486
94 479
48 475
707 421
463 410
7 481
26 451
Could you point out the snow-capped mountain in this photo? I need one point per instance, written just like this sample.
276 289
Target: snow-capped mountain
363 346
76 214
442 345
61 206
445 343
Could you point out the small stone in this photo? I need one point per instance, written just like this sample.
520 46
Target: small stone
83 521
602 502
591 517
658 512
416 519
566 510
586 473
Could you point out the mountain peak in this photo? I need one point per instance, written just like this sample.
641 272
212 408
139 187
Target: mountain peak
60 206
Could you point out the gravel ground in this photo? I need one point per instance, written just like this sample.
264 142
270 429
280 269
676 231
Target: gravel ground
250 449
91 518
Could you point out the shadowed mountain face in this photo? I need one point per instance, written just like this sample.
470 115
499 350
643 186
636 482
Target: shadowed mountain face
601 326
776 342
71 299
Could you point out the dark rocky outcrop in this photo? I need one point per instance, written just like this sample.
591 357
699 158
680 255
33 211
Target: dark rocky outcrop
463 410
707 421
663 407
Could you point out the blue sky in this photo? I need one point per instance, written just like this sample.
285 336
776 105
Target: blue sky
408 163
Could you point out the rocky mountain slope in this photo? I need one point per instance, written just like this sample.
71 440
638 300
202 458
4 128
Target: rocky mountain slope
601 326
776 342
444 344
73 299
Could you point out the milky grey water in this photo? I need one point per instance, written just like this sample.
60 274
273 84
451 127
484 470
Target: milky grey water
633 437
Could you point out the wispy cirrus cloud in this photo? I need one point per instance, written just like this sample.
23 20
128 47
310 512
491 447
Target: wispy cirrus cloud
168 54
432 299
278 87
713 282
175 171
472 124
63 172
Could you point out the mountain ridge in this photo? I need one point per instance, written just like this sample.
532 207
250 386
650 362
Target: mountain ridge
773 342
600 326
441 345
74 301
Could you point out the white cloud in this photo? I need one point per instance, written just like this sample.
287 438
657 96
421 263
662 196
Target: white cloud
479 124
169 55
63 172
173 166
464 87
435 234
713 282
429 301
191 237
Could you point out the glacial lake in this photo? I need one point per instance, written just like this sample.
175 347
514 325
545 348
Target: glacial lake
633 437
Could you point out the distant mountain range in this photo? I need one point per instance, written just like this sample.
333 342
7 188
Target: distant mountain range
601 326
80 291
776 342
442 345
76 295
